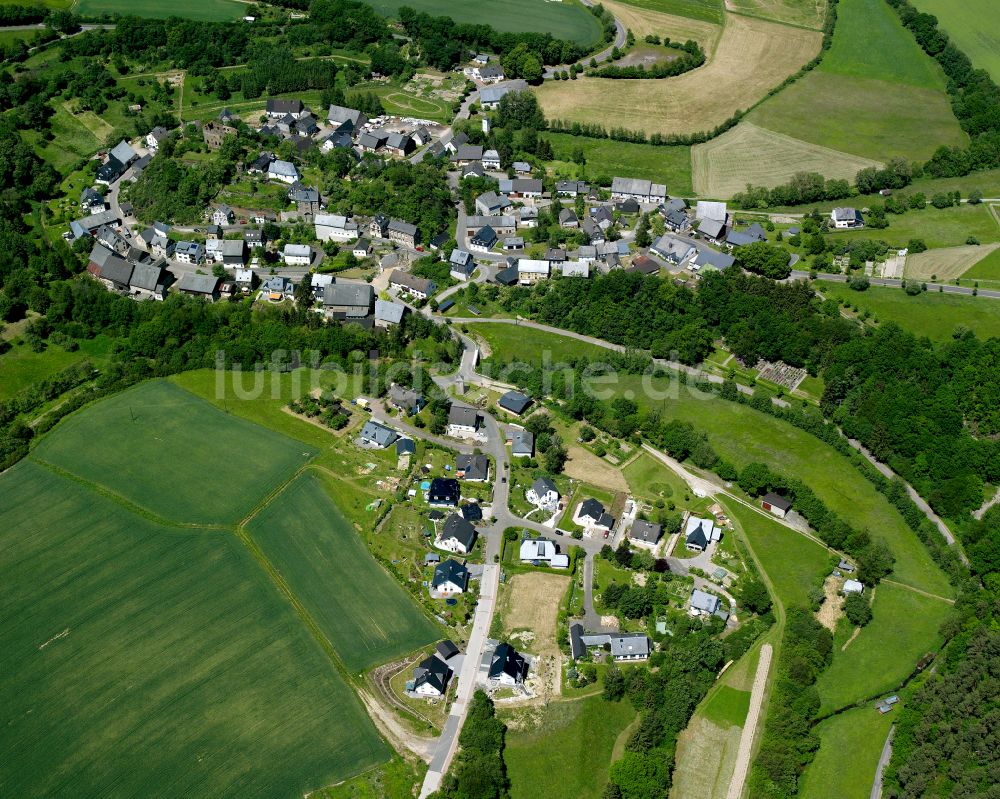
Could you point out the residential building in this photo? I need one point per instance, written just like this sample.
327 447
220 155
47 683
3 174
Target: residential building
846 218
527 216
318 283
297 255
492 204
699 533
419 287
450 577
284 171
189 252
399 144
575 269
629 646
491 73
457 535
590 514
362 248
467 153
223 215
430 678
347 120
502 225
378 435
514 402
645 533
571 188
530 271
521 167
372 141
278 287
254 238
491 159
149 281
644 264
507 667
348 301
90 224
155 137
642 191
461 264
277 108
261 164
115 273
675 220
92 201
388 313
544 494
741 238
776 505
853 587
306 198
528 188
522 443
703 603
234 253
405 399
204 286
463 421
568 218
672 249
542 552
513 243
245 279
472 468
378 228
484 239
334 227
490 96
712 229
708 258
403 233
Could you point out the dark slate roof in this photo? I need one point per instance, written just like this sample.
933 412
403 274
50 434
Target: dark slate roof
443 490
146 276
280 106
378 433
514 401
117 270
476 467
592 508
405 446
463 415
645 531
507 277
777 501
432 671
450 571
458 528
507 661
543 485
577 648
472 512
446 649
698 537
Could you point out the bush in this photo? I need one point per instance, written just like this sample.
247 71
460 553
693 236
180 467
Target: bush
857 610
859 283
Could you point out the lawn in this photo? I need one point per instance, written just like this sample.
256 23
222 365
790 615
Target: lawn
21 368
849 751
727 707
565 20
650 480
202 10
986 269
930 314
904 628
604 157
569 753
973 26
173 454
513 342
875 93
706 10
151 660
938 227
794 564
325 564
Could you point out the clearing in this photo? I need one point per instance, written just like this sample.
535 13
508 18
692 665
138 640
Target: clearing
931 314
564 20
752 57
323 561
974 27
805 13
564 750
751 154
153 660
157 427
202 10
875 93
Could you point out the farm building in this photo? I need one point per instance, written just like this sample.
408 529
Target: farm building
776 505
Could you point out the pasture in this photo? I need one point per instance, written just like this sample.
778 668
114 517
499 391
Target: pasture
151 660
751 58
705 10
644 20
946 263
875 94
986 269
567 752
751 154
21 368
201 10
973 25
938 227
849 750
564 20
793 563
930 314
324 563
604 157
805 13
173 454
904 627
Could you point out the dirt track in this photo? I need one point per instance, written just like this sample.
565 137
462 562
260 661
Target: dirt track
750 727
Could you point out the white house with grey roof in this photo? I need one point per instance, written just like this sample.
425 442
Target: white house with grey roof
335 227
419 287
464 422
348 300
699 533
643 191
542 552
672 249
189 252
297 255
522 443
645 534
543 494
846 218
345 119
377 435
285 171
703 603
388 313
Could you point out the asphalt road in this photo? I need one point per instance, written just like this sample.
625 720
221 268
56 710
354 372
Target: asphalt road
944 288
604 55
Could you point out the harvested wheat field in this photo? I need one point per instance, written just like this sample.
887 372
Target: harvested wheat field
807 13
752 58
643 21
946 263
750 154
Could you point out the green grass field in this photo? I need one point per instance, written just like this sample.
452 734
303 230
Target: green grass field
154 661
805 13
986 269
20 367
875 93
514 341
794 564
364 612
650 480
973 25
565 20
904 628
929 314
849 750
567 756
174 455
670 165
727 707
938 227
707 10
203 10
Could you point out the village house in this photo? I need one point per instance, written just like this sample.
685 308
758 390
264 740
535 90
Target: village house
254 238
526 188
405 399
430 678
443 492
461 264
513 243
450 577
92 201
645 534
378 228
234 253
318 283
571 188
522 442
90 224
403 233
491 160
245 279
467 153
645 265
502 225
189 252
297 255
399 144
530 271
388 313
472 468
377 435
543 494
348 301
702 603
277 108
373 140
491 73
345 120
195 285
283 171
463 421
672 249
457 535
575 269
484 239
699 533
334 227
507 667
490 96
223 215
542 552
149 281
846 218
590 515
514 402
419 287
278 287
642 191
568 219
362 248
492 204
741 238
155 137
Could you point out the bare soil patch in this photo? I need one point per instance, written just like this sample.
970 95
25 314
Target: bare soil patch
582 464
833 606
531 613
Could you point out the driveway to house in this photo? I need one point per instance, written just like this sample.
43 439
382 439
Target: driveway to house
750 726
883 761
